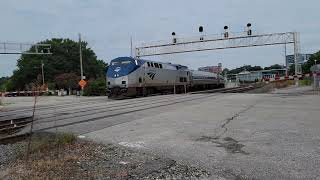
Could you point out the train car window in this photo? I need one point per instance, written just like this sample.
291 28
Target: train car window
151 64
156 65
148 64
160 65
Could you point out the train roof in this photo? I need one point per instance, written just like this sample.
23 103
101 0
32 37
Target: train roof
202 73
179 66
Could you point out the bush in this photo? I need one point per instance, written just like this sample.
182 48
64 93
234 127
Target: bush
95 87
305 82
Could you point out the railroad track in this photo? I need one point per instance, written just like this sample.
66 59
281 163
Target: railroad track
226 90
105 113
9 128
239 89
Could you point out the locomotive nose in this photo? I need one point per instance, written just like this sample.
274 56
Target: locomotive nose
118 82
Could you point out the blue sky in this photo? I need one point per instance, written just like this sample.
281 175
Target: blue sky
108 24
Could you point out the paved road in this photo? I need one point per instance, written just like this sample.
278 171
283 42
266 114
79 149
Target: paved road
87 115
254 136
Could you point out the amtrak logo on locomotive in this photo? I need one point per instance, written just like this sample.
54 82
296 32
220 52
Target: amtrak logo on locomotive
117 69
151 75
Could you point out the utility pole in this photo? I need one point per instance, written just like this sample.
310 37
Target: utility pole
42 71
131 51
296 55
81 69
219 67
315 75
285 57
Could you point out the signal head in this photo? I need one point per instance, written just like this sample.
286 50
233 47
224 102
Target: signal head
200 29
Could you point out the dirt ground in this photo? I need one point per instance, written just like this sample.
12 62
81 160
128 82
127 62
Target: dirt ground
82 159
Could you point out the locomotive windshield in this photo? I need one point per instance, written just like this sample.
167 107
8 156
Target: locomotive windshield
121 66
114 63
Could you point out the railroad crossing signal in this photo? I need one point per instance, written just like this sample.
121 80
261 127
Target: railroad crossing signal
25 48
82 83
221 41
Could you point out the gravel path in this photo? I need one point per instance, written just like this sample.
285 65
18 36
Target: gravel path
8 153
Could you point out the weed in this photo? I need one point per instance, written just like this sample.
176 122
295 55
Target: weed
305 82
42 142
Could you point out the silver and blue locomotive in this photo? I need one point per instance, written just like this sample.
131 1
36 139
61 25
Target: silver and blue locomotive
127 76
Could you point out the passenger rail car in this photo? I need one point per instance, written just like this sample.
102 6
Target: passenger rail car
127 76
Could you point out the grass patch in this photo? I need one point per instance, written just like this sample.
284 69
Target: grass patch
305 82
42 142
282 84
5 103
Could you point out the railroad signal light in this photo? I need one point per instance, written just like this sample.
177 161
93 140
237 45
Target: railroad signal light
174 40
201 31
226 33
249 32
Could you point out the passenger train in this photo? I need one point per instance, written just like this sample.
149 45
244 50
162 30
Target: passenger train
129 77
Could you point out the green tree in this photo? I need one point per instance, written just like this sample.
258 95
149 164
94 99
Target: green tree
306 67
64 59
225 71
275 66
6 84
96 87
245 68
291 70
3 81
67 81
